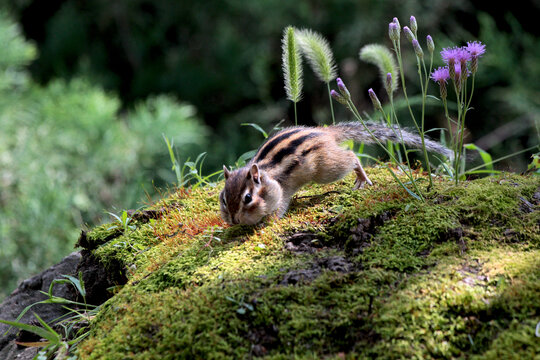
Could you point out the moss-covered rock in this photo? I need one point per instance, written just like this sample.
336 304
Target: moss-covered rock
345 274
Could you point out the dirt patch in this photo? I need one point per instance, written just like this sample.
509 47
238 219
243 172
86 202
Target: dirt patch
332 263
455 234
354 241
303 242
144 216
472 271
263 339
362 233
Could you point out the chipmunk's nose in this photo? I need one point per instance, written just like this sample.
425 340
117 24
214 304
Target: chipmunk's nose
235 220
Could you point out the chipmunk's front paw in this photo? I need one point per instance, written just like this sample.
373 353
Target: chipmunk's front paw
360 183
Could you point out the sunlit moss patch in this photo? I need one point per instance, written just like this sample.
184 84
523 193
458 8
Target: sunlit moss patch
356 274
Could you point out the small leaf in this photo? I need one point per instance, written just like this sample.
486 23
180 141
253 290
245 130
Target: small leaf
486 157
256 127
245 157
33 344
241 311
39 331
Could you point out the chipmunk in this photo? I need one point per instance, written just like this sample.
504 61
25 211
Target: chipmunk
296 156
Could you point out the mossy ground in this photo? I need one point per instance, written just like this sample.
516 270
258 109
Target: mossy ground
345 274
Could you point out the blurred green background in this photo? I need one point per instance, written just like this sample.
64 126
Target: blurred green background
87 88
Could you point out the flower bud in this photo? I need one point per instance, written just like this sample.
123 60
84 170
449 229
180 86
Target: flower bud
396 21
388 84
337 96
414 25
375 100
408 33
417 48
343 89
393 31
430 44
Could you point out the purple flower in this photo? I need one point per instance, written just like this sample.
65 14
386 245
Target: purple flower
460 75
459 70
442 74
449 55
475 48
462 55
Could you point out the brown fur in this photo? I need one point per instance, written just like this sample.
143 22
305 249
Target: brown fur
296 156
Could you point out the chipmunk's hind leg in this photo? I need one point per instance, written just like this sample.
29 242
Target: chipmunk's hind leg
361 176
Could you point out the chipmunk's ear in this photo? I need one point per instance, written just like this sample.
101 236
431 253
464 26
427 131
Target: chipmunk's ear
226 172
255 174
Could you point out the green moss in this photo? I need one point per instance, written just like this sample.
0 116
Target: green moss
456 276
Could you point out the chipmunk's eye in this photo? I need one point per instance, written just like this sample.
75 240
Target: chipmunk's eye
247 198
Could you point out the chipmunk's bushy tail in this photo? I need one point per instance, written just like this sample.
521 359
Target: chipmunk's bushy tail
357 131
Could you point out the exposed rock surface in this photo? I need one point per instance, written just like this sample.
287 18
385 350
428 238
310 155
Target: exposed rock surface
28 293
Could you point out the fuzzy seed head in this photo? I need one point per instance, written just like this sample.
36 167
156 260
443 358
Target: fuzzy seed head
318 53
385 61
292 65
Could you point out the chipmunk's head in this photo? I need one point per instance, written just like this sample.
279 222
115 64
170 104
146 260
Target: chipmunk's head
249 195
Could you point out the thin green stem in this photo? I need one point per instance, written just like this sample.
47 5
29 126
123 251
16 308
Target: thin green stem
392 157
331 106
394 119
472 91
421 130
295 114
461 120
404 88
457 149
